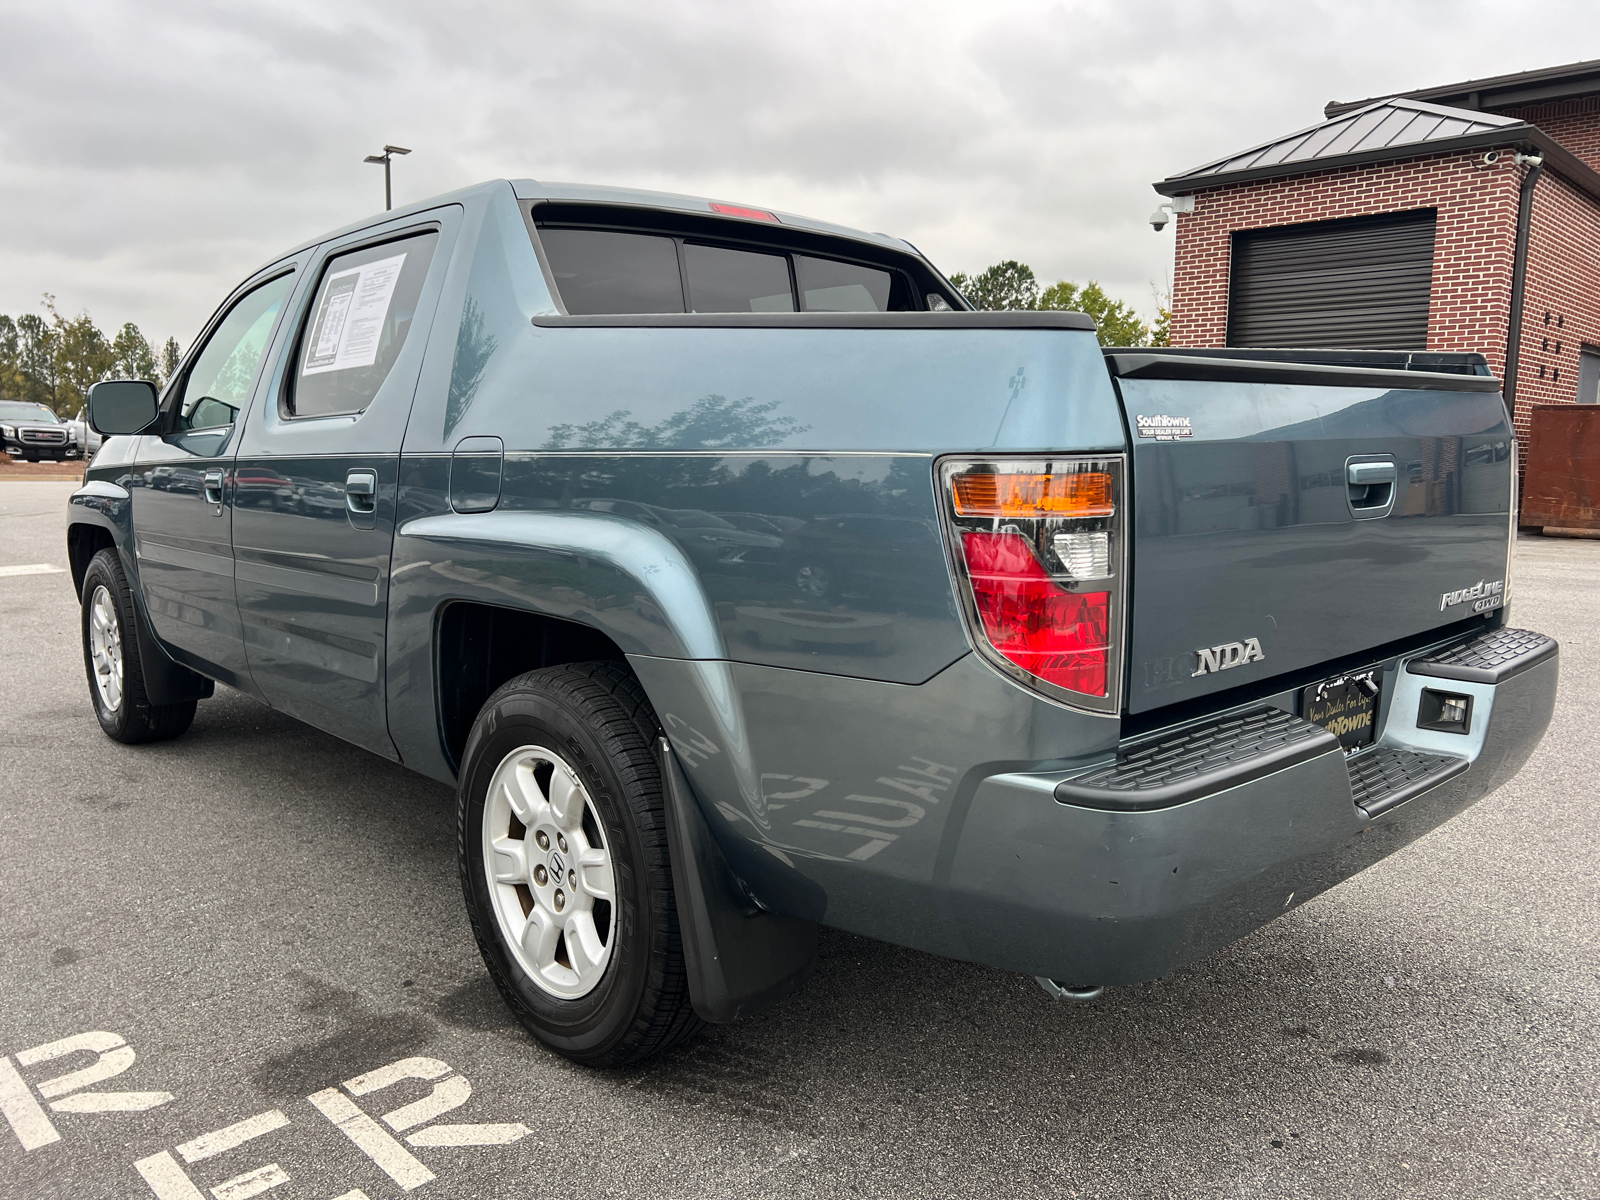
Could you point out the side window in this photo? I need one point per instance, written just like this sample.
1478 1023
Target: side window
830 286
600 272
357 325
722 280
219 383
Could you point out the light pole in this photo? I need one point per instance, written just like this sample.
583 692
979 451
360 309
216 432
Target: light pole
388 152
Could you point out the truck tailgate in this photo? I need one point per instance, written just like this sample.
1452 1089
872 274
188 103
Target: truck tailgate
1257 550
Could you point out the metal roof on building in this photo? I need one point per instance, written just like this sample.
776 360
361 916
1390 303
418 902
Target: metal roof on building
1497 91
1384 129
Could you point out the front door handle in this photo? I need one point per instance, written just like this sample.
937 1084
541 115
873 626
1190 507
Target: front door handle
361 494
213 488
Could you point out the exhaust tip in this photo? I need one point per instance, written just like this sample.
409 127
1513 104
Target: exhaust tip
1080 993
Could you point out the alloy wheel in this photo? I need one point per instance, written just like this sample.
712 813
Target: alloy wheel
550 872
105 648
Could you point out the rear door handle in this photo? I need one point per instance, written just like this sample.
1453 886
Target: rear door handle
361 492
213 488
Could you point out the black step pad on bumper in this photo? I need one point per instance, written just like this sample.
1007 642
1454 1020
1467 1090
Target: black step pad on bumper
1488 658
1386 776
1199 761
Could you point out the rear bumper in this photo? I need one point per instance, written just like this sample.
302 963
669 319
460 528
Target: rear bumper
1125 892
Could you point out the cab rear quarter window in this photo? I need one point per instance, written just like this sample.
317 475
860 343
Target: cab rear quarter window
608 260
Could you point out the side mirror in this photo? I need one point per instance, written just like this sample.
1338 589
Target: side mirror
123 406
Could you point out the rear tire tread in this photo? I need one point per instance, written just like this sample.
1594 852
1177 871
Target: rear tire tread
609 698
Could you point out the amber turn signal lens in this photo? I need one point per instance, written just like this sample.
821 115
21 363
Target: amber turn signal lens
1078 494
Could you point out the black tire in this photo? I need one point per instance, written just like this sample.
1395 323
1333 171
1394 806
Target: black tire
134 719
596 716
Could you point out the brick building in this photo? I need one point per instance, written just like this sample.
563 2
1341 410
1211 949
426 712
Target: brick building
1464 217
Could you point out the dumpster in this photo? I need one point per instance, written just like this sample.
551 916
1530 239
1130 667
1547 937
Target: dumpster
1561 487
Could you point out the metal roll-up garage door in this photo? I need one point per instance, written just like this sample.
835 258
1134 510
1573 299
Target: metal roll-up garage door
1361 283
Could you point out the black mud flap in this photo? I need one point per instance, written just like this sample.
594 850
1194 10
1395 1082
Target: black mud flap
165 681
740 958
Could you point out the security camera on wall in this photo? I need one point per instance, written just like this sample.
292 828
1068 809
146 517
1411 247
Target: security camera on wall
1165 211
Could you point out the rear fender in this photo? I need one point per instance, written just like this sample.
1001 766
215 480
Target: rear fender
618 577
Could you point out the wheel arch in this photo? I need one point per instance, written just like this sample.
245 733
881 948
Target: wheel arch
478 647
99 517
491 595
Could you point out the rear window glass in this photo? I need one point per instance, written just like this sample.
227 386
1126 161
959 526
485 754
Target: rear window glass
601 272
357 325
722 280
633 262
827 285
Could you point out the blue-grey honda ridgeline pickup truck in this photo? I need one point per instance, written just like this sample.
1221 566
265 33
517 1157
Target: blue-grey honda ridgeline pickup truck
743 580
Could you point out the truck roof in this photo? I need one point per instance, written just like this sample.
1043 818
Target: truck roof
533 189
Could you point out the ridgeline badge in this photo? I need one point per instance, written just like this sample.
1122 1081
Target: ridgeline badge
1163 428
1483 596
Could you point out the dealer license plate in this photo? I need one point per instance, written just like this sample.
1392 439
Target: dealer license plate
1346 706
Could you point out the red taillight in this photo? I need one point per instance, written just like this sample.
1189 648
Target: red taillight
1062 637
1037 547
738 210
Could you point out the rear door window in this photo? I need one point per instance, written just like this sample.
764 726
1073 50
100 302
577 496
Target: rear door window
827 285
601 272
724 280
357 325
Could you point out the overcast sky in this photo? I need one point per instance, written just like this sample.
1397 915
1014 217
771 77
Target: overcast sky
152 155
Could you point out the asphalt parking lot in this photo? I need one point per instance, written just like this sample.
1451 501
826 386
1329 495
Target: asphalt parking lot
260 912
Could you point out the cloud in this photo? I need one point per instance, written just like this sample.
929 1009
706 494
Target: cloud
152 156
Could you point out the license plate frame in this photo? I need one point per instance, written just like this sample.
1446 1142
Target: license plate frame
1346 706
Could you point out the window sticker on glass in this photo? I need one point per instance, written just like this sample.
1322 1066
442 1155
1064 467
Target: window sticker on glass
349 324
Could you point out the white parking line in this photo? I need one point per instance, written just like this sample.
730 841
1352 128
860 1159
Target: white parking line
96 1102
166 1178
469 1135
252 1183
398 1162
27 1119
447 1094
207 1145
32 569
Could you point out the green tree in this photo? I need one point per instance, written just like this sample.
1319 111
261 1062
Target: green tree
171 356
55 361
1118 323
1161 331
1007 285
83 358
133 356
10 375
36 359
1012 285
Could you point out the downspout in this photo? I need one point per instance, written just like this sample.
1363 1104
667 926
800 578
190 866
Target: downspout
1519 277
